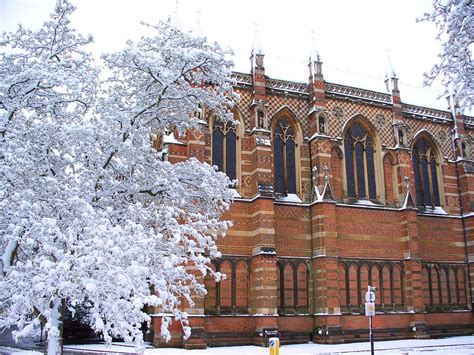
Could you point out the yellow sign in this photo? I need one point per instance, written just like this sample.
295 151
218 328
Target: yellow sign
274 344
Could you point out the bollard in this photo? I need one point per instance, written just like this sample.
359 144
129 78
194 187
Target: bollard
274 344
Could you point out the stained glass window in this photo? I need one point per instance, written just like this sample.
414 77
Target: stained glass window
360 170
284 157
224 147
425 173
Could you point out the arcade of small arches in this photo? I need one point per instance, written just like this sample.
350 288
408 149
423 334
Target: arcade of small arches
231 295
444 286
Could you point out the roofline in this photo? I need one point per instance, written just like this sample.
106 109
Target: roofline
350 92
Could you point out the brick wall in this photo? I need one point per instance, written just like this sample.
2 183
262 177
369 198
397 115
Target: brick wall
300 266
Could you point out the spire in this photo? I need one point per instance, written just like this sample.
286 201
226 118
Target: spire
257 43
314 54
389 71
391 79
257 55
315 63
259 103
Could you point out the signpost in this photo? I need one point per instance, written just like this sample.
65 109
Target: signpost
370 312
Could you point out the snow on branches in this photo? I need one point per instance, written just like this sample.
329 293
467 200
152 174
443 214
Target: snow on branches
91 218
455 22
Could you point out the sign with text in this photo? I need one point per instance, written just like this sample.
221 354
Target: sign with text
370 309
370 297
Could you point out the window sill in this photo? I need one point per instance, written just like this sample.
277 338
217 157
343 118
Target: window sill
292 198
234 192
365 202
437 210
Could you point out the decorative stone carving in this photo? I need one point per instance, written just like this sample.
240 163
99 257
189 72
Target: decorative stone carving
340 90
380 121
338 112
469 140
427 112
287 86
322 124
442 136
259 60
261 113
401 133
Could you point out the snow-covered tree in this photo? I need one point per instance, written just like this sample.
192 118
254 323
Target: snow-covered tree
90 215
454 20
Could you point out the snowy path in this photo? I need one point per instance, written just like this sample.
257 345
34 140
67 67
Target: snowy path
455 346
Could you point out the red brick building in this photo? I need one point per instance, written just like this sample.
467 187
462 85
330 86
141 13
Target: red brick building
338 188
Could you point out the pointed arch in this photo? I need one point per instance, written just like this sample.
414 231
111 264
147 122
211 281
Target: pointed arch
364 281
286 137
452 286
390 176
343 286
387 289
288 282
226 138
426 283
302 285
426 161
435 286
362 160
210 300
375 281
353 276
398 295
336 171
225 285
461 285
280 286
241 285
292 116
443 285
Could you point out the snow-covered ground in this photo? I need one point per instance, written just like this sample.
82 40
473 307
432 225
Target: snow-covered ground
454 345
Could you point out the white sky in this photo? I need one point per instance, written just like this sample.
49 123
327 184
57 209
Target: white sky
352 36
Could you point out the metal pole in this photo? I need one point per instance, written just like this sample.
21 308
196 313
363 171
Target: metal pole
371 334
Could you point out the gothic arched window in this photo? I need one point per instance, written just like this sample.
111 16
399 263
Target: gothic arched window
425 171
359 156
224 147
284 157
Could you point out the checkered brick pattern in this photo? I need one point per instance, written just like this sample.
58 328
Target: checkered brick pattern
299 106
244 105
380 118
440 133
339 111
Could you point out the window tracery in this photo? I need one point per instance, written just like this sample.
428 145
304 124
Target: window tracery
284 157
224 147
425 170
359 157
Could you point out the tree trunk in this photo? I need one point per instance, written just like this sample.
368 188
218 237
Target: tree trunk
54 327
